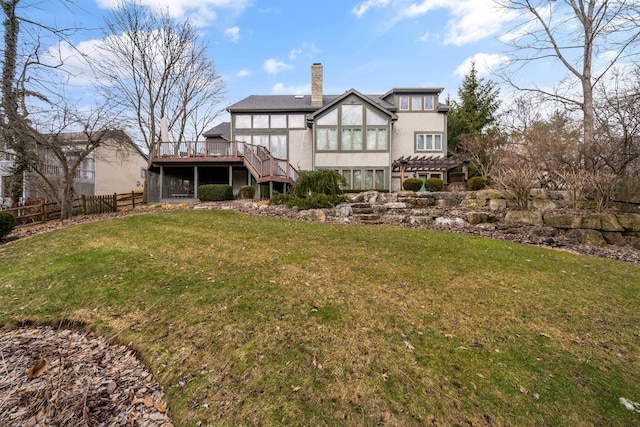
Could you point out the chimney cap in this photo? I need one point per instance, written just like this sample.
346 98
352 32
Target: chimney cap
317 63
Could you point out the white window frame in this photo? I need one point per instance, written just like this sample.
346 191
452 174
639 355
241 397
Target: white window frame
434 137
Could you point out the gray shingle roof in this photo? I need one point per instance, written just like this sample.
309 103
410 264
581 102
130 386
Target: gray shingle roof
291 103
223 130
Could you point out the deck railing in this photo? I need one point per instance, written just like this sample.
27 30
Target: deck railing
256 157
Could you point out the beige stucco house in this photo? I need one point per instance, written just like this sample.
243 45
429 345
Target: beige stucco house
372 140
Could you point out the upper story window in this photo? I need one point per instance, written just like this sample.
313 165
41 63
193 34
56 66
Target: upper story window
352 115
297 121
270 121
416 103
352 127
428 142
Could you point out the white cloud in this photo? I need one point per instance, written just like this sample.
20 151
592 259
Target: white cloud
486 63
363 7
273 66
200 12
307 50
470 20
232 33
281 89
244 73
75 65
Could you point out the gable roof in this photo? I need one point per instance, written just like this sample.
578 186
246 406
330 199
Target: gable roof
374 101
222 130
299 103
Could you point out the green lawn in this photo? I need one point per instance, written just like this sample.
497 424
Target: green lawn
270 321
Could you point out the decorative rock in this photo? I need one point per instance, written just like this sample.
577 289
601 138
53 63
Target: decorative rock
630 221
489 194
542 204
565 221
525 217
614 238
480 217
586 237
419 220
451 222
343 210
609 222
396 205
473 203
316 215
497 204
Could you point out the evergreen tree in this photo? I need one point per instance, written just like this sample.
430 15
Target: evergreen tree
475 111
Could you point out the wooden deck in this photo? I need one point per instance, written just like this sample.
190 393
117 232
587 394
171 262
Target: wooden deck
262 165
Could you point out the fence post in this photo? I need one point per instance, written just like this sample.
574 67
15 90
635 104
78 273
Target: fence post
43 207
133 199
84 205
115 202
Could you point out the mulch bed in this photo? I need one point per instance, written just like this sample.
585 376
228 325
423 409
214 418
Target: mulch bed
62 377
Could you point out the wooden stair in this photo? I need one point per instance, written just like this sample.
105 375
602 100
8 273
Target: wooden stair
266 168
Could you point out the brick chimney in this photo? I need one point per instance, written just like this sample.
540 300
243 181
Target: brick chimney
316 85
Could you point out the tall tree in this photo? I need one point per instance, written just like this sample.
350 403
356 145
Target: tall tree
572 33
22 82
474 112
154 66
70 138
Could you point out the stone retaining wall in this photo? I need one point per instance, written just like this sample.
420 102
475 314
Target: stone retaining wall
489 210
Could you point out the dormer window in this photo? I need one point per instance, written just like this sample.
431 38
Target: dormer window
416 103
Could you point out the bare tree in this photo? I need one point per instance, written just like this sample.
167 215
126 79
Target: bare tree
618 125
484 149
572 33
154 67
69 140
517 181
21 83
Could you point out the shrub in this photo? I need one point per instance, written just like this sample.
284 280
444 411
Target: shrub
434 184
215 192
412 184
325 181
476 183
248 191
313 201
313 190
7 222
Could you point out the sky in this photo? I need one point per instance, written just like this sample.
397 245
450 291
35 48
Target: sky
266 47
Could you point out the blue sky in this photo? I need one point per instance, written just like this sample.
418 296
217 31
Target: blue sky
268 46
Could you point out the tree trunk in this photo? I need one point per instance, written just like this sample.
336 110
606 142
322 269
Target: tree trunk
66 202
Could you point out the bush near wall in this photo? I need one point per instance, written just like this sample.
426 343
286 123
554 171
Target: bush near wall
476 183
248 191
412 184
434 184
215 192
7 222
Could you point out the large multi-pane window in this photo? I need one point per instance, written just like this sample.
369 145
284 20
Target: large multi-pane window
352 127
270 121
364 179
276 144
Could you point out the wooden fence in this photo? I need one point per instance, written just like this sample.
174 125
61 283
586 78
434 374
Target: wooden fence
39 211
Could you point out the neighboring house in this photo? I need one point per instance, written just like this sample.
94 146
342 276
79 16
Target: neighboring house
111 168
374 141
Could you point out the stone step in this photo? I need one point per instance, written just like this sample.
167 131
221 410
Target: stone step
360 206
366 217
361 211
